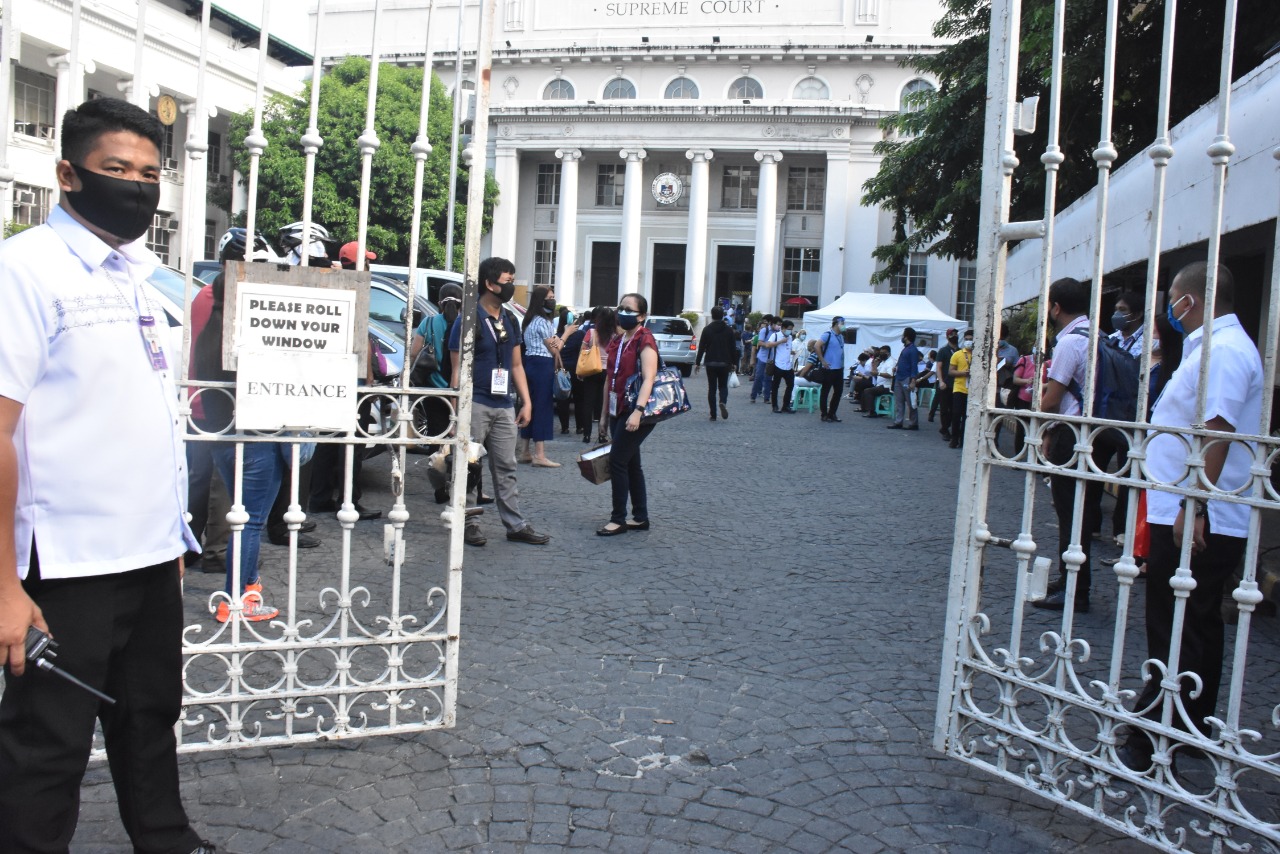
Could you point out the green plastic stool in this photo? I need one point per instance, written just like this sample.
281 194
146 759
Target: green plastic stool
806 397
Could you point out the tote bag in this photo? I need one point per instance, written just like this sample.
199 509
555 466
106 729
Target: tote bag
589 363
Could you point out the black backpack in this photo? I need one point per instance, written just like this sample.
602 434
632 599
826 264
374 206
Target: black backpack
1115 388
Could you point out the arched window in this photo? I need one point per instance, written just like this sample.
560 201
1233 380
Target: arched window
745 87
812 89
909 103
682 88
619 89
558 90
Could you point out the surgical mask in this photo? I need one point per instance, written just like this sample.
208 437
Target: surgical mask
840 328
1176 322
968 344
1119 321
506 290
628 319
118 206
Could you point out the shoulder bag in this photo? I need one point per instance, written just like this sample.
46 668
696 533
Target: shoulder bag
589 362
667 399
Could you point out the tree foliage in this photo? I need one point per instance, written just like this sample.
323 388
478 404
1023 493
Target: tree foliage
931 162
336 204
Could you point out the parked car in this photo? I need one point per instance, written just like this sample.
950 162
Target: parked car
676 343
427 282
388 300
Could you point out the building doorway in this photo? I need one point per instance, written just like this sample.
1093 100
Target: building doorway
605 264
668 279
734 265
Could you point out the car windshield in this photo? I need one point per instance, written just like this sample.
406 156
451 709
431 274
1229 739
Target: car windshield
172 284
668 326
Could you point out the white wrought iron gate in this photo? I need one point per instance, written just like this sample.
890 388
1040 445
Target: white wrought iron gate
1045 699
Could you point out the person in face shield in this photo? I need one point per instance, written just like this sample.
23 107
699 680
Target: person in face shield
92 497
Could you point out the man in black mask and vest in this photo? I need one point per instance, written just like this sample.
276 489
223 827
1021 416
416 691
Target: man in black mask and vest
92 497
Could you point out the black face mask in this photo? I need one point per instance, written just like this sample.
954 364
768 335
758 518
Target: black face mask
117 206
505 291
549 307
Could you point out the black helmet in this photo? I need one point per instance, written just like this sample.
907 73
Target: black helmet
231 246
450 290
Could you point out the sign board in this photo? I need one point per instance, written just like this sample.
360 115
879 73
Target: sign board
686 14
297 338
278 390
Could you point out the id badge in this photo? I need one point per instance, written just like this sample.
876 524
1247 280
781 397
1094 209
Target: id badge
151 338
498 381
613 405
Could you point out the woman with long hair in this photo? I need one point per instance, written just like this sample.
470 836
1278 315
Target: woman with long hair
541 351
633 353
603 325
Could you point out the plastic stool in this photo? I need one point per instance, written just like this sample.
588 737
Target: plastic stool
884 405
805 396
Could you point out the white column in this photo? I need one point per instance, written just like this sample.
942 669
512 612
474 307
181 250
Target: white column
695 259
632 199
506 171
835 225
61 63
567 228
862 232
764 281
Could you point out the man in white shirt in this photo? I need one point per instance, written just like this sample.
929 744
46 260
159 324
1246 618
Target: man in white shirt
92 497
782 344
1233 404
1068 307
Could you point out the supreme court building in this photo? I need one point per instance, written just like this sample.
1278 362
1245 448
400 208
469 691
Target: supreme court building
686 149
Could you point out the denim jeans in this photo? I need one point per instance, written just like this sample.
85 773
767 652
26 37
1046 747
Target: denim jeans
260 481
760 383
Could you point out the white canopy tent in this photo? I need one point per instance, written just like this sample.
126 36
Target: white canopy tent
879 319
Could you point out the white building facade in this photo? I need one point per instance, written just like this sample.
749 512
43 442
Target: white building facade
141 51
689 150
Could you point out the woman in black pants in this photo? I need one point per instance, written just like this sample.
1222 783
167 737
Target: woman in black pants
601 328
634 352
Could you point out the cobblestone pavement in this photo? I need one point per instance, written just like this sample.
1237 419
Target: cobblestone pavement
756 673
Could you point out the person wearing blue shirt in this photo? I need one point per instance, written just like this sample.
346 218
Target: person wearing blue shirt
831 355
904 384
497 370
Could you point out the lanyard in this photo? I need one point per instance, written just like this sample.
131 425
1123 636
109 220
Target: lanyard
617 362
497 345
146 322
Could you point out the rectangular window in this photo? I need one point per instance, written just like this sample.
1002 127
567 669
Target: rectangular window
160 235
548 184
609 178
30 204
33 103
868 12
210 238
800 269
911 280
215 156
966 291
544 262
806 187
167 159
740 188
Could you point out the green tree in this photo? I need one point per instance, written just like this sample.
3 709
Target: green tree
336 204
931 162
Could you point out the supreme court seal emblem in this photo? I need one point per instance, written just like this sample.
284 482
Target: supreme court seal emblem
667 188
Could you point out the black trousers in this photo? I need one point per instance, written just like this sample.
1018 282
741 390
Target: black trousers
1062 441
788 377
944 397
832 389
717 382
1202 628
122 634
627 473
592 400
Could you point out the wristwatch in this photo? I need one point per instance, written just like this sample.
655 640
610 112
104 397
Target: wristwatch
1199 508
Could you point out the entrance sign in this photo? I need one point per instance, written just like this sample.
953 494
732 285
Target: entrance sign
282 390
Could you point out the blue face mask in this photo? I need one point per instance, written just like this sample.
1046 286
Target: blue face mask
1176 322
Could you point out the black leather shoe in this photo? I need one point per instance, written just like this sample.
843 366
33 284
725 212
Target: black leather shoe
304 541
833 419
366 514
307 527
528 535
486 499
638 526
1058 600
606 531
894 427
